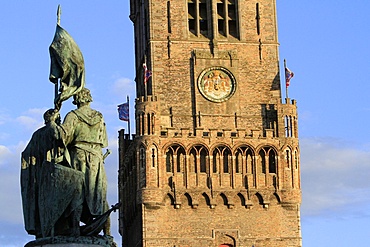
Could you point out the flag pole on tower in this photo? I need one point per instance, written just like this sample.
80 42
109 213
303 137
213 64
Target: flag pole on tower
288 75
124 113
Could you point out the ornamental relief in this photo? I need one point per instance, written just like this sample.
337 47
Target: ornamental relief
216 84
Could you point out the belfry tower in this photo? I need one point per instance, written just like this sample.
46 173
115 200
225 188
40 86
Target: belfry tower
215 159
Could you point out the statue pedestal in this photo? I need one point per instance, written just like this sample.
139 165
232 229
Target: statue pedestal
64 241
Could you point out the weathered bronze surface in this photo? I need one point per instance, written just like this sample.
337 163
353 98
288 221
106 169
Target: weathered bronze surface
63 180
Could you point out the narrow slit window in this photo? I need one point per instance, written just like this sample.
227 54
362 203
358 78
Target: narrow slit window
192 16
203 18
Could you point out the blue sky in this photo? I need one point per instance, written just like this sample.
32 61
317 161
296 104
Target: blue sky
326 44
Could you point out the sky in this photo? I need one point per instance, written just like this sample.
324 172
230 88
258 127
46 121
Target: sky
325 43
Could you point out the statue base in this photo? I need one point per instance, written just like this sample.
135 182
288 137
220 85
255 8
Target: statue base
65 241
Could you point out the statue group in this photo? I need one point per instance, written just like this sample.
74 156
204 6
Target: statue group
63 180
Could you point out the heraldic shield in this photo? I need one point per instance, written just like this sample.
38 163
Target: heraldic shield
61 192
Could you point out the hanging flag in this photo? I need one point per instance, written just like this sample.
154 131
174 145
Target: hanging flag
123 112
147 73
288 75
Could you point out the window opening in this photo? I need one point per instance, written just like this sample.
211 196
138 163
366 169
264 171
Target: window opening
169 17
153 157
169 160
203 18
272 161
142 157
288 158
258 18
203 161
226 156
192 16
262 162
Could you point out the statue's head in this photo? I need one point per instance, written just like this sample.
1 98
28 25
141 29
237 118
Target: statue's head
52 115
82 97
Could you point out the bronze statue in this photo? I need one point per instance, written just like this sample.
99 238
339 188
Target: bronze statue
63 180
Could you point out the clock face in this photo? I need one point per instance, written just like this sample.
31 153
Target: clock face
216 84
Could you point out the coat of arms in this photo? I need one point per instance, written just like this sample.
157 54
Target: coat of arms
216 84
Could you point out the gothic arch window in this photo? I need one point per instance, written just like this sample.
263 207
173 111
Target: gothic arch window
272 161
268 159
199 159
216 161
226 160
222 159
238 161
169 160
243 159
288 157
262 162
175 158
203 160
180 161
142 157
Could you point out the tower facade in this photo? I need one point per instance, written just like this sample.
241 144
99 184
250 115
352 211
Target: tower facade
215 159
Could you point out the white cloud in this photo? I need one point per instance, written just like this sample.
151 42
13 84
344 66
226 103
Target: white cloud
123 86
334 176
32 119
4 154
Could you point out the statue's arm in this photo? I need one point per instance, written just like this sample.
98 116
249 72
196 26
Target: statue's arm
68 126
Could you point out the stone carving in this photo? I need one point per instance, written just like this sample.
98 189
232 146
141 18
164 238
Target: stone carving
63 181
216 84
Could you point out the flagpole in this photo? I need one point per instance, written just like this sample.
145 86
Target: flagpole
286 86
145 82
56 84
128 122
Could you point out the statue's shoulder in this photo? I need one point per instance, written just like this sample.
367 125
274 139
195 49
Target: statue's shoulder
89 116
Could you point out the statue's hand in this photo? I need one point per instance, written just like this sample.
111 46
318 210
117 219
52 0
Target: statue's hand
57 103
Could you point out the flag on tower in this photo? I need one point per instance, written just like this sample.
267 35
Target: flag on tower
147 73
288 75
123 112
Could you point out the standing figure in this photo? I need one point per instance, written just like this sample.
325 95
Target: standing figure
85 135
51 190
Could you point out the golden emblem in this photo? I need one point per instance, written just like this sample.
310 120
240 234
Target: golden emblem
216 84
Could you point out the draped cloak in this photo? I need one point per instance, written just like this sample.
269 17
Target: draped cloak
86 135
50 191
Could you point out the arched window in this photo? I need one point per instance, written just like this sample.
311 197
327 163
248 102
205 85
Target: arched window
199 158
288 157
169 160
175 158
267 154
193 160
203 160
222 156
227 159
238 161
142 156
272 161
262 163
244 159
180 162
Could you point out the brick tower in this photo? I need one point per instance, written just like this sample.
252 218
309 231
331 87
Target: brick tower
215 159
